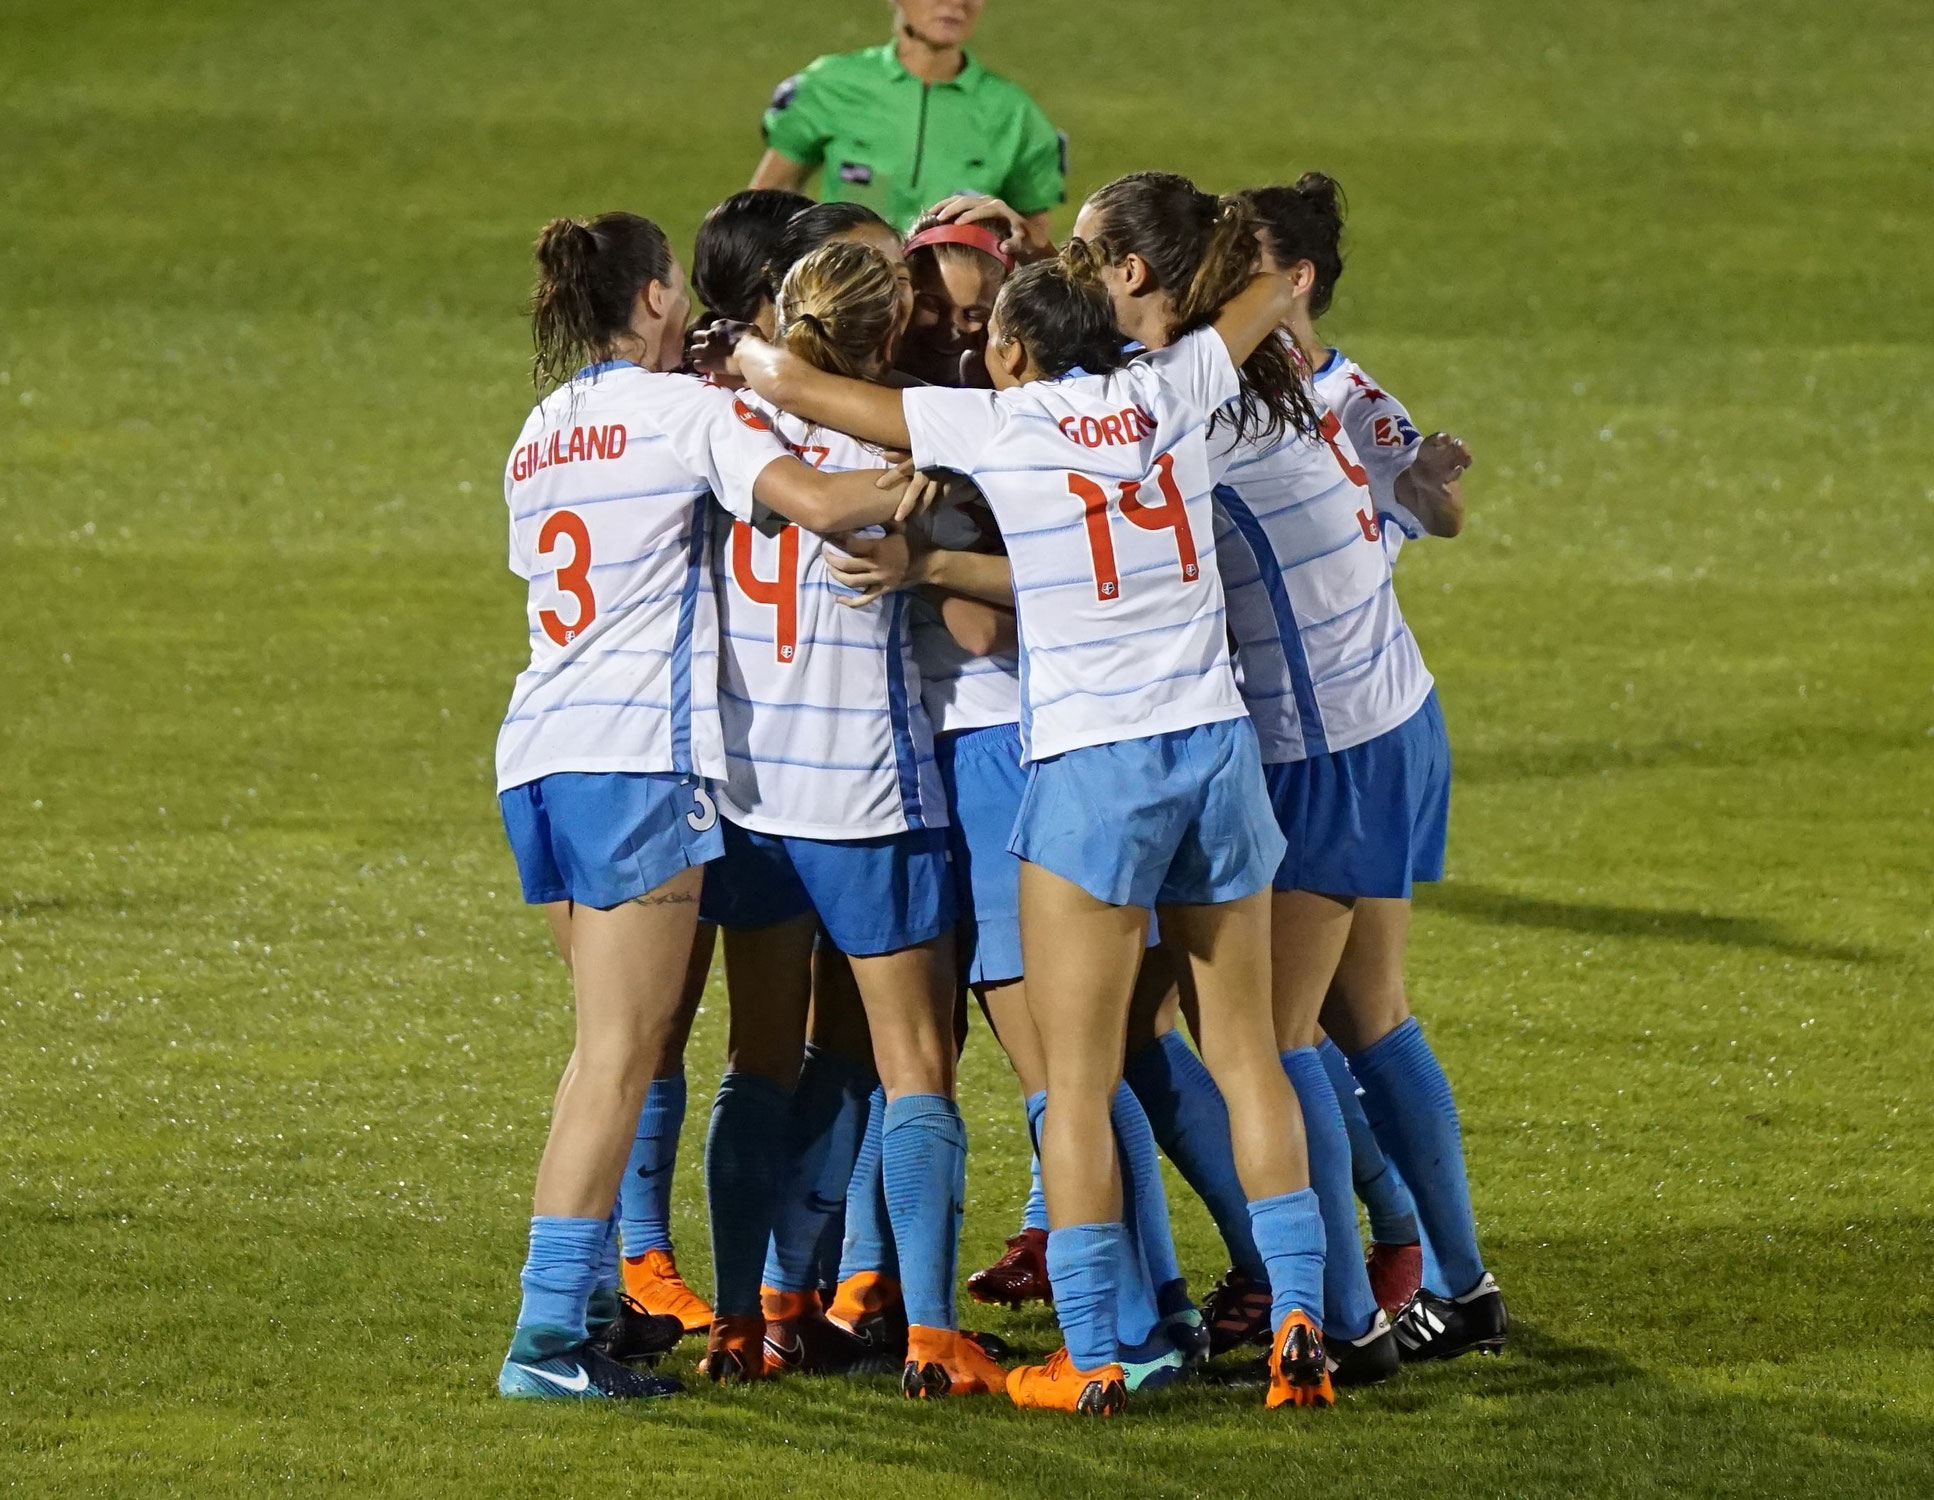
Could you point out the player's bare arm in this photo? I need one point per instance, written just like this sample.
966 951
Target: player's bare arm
869 412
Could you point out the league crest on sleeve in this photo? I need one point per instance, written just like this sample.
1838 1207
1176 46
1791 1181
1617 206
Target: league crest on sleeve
783 96
1393 432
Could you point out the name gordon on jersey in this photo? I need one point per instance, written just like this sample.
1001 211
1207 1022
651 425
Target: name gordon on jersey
1125 427
563 448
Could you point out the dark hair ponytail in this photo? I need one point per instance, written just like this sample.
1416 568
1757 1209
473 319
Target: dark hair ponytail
1305 222
734 245
1202 251
589 275
1060 312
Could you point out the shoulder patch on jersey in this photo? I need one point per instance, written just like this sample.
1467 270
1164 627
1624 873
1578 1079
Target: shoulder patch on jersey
1061 143
1393 432
783 96
750 417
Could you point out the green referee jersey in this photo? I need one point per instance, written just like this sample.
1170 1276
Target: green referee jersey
886 139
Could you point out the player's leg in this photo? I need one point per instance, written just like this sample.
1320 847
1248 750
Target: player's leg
1084 953
1307 936
650 1268
1191 1124
1021 1274
1405 1092
1378 930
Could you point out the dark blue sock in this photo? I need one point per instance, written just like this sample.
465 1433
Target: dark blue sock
1190 1122
1393 1214
558 1276
1408 1100
743 1157
1349 1306
869 1232
1083 1265
645 1195
1035 1215
823 1131
924 1159
1289 1232
1144 1199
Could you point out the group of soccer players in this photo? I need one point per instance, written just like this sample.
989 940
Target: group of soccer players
963 615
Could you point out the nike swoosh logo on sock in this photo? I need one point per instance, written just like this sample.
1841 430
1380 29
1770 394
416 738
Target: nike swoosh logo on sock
576 1386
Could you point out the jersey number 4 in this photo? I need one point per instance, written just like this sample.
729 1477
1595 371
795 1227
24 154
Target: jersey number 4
573 578
781 591
1170 515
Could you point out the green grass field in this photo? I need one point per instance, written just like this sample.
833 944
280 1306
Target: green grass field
276 1036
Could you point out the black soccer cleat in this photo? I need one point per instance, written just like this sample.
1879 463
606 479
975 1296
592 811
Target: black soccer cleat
639 1337
581 1374
1237 1312
1367 1360
1434 1327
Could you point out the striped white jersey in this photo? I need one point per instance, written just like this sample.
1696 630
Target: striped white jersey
1100 484
962 690
825 735
1385 438
609 515
1324 656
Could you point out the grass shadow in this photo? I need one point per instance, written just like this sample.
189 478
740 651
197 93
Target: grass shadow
1598 919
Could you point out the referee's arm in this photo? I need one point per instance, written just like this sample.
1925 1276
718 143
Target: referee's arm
778 170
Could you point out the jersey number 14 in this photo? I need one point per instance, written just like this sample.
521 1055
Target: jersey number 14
1170 515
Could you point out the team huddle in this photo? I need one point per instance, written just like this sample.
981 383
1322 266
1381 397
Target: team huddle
963 616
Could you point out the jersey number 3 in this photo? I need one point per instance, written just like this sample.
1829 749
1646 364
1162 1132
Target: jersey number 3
573 578
1170 515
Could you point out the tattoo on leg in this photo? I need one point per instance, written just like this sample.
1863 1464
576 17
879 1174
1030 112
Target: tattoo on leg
674 898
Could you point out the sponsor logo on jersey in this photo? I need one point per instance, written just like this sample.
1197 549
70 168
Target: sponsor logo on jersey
858 173
1125 428
581 443
1392 432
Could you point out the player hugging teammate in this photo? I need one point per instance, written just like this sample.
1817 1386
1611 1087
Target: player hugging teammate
967 616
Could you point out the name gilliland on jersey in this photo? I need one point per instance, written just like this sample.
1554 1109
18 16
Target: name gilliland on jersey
580 443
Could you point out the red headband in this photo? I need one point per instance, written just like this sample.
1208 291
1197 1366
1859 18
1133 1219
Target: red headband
971 235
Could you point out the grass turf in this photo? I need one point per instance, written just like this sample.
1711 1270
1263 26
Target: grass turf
276 1037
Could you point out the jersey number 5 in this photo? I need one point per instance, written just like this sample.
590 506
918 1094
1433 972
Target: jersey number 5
781 591
1170 515
574 578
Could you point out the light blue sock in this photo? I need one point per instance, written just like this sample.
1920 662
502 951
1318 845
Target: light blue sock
1393 1214
602 1307
823 1131
558 1276
743 1157
869 1232
1190 1122
1349 1306
645 1195
1035 1215
1289 1233
1144 1199
1083 1265
924 1161
1408 1100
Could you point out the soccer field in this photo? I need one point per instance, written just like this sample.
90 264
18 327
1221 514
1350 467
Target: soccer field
277 1036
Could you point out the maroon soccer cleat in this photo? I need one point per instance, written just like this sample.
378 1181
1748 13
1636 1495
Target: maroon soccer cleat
1021 1275
1396 1271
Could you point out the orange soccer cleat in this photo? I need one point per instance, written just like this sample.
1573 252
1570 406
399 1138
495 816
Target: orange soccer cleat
1299 1367
652 1281
869 1307
942 1362
1059 1386
801 1339
737 1351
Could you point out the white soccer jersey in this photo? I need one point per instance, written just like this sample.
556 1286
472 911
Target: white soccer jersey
825 734
1100 484
962 690
609 516
1385 438
1323 654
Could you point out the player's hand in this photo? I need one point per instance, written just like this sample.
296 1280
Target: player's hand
922 490
1017 236
874 565
710 349
1441 459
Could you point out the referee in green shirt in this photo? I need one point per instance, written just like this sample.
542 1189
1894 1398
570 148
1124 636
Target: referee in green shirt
900 127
